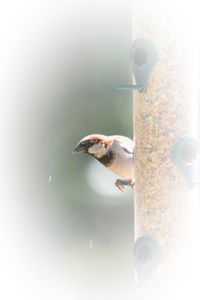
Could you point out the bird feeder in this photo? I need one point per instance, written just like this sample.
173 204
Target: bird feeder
167 148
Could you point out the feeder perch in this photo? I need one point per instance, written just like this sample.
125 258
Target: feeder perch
186 157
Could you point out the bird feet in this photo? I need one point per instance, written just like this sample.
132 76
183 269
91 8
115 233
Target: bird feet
120 183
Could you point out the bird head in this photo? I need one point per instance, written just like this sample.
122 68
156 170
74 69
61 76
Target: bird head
96 145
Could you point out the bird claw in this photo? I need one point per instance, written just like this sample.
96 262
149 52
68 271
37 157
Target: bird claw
131 183
120 183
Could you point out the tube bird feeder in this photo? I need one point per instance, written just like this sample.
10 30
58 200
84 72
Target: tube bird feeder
167 149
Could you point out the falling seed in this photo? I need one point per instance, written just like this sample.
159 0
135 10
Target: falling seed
50 179
91 244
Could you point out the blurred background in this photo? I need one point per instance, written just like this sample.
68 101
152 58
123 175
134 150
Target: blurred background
68 230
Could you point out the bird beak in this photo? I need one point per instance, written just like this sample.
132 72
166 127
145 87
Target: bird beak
79 149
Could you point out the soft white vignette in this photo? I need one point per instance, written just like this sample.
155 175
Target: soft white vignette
26 272
18 273
21 276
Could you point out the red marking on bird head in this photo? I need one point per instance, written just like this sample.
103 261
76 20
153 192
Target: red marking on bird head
103 139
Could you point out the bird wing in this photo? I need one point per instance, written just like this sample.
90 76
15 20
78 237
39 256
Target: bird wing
126 143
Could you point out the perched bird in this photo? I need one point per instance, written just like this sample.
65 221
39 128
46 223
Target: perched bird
115 152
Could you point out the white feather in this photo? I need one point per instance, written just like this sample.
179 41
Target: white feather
123 164
98 150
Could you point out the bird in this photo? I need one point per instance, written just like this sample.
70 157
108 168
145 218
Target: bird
115 152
